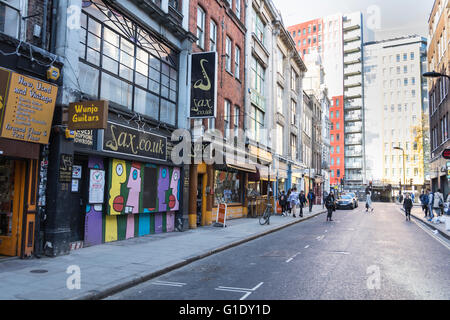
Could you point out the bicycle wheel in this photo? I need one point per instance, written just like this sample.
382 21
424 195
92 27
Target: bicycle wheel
264 218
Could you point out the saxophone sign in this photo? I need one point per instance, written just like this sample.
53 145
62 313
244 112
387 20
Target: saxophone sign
204 85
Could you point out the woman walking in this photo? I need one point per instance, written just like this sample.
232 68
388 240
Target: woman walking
369 200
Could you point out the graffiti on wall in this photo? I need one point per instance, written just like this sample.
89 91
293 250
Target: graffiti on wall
142 188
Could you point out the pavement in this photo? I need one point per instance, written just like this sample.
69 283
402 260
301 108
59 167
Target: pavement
418 214
99 271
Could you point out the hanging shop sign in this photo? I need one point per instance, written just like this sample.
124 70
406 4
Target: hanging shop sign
26 107
204 85
88 115
130 141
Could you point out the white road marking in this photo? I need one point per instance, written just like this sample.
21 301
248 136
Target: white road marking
343 252
320 237
292 258
242 290
168 283
306 247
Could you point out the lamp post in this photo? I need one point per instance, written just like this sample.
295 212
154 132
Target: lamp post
434 74
403 151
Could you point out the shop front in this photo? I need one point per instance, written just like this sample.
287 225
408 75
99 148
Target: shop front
26 110
122 184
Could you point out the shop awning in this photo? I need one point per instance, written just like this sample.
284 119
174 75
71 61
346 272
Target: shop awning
247 167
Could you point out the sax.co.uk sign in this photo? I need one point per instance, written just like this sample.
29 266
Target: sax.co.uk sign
203 85
130 141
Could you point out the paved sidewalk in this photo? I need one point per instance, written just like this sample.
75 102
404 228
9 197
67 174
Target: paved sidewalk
111 267
418 214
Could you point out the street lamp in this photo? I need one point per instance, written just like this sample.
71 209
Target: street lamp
403 151
434 74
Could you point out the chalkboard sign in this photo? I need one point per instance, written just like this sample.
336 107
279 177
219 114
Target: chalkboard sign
65 168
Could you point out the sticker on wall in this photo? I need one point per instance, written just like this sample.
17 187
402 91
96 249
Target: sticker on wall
76 172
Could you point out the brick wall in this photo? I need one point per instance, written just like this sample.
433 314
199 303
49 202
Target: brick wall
228 87
36 13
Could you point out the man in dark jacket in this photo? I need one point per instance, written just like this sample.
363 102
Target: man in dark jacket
329 204
283 203
311 199
302 200
407 205
424 201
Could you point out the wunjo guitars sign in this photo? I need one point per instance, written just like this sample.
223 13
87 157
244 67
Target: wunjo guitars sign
26 107
130 141
203 85
88 115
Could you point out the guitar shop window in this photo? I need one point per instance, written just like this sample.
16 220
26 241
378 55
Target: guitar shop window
125 64
227 187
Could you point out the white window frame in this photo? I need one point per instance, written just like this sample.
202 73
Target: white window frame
201 28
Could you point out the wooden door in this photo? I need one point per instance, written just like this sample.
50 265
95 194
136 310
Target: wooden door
12 208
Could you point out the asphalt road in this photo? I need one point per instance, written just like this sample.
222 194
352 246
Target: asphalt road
359 255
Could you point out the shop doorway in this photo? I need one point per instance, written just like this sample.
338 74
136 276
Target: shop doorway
12 192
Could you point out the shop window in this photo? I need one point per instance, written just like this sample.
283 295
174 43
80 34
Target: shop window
123 63
227 187
6 196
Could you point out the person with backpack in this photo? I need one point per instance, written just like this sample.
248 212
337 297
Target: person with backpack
438 202
424 201
407 205
311 199
302 201
329 204
283 202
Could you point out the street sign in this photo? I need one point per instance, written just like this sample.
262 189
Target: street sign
446 154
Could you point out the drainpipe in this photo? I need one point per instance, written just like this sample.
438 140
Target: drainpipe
44 26
53 27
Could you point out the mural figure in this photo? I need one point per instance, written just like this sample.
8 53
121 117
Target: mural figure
174 187
134 186
163 186
118 176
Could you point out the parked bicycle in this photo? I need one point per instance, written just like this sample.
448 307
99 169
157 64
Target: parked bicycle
265 218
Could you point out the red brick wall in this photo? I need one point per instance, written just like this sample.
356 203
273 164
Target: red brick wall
228 87
36 14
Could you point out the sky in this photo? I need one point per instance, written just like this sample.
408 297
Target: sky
387 18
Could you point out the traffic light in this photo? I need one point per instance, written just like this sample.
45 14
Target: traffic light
342 182
411 181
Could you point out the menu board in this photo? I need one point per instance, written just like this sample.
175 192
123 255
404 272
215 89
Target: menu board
26 106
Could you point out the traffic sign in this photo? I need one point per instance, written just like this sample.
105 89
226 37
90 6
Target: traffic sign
446 154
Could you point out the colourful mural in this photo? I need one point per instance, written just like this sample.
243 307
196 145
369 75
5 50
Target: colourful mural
135 187
141 200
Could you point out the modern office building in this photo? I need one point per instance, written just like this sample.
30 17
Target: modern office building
396 111
338 39
438 60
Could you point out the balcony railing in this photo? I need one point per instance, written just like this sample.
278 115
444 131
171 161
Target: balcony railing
353 141
10 20
352 69
351 47
353 129
354 92
357 116
353 165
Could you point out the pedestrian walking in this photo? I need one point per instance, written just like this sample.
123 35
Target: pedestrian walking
293 200
311 199
283 203
288 204
424 201
430 204
302 202
438 202
407 205
324 198
329 204
368 199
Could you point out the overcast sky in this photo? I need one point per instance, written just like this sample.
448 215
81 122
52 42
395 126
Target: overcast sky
396 17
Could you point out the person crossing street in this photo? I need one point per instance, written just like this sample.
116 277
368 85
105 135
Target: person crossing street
407 205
